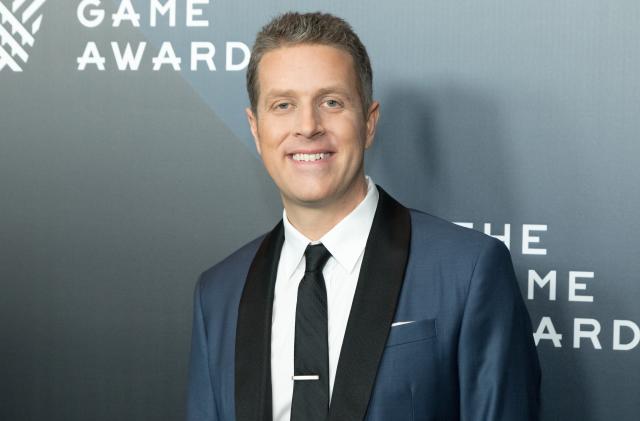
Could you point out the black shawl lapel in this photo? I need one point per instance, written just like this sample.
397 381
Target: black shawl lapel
373 309
253 332
371 315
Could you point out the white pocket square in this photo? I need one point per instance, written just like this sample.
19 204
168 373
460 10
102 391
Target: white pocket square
402 323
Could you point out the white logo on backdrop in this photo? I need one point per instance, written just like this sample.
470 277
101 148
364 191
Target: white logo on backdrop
17 28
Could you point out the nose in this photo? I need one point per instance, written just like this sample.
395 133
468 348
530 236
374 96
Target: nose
308 123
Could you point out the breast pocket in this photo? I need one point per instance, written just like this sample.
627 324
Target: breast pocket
411 332
408 364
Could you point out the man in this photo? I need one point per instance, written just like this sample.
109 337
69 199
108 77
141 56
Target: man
353 307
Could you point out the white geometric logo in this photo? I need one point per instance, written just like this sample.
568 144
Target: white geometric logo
17 28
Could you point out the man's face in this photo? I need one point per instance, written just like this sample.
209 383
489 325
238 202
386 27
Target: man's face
310 129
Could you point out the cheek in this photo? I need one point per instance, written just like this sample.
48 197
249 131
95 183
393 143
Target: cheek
272 133
352 133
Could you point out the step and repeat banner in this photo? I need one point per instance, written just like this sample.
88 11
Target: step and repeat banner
127 168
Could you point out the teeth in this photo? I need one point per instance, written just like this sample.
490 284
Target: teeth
310 156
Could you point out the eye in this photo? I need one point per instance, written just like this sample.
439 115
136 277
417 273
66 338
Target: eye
282 106
332 103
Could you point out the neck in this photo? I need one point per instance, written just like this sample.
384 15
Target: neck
315 221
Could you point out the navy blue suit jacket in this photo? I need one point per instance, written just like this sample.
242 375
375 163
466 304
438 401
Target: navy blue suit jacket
468 355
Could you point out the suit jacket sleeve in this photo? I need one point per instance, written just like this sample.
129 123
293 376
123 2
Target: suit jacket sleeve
499 372
200 402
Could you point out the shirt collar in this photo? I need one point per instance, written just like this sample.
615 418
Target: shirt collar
345 241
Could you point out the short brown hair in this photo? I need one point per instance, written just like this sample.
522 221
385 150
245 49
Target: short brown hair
293 28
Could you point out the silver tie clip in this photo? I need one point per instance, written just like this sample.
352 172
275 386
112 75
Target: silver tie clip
306 377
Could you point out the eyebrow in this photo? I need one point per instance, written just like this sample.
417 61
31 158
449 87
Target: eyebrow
289 92
334 90
277 93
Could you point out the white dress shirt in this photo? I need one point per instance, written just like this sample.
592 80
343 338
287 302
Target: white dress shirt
345 242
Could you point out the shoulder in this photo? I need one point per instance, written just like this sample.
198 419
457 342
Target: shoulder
429 228
232 269
435 237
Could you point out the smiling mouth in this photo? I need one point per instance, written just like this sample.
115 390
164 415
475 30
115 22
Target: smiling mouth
310 157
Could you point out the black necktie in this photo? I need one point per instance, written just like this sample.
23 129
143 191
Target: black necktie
310 400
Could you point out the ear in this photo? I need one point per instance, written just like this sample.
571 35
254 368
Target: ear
372 121
253 125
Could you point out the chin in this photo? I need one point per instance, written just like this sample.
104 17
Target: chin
312 200
310 197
